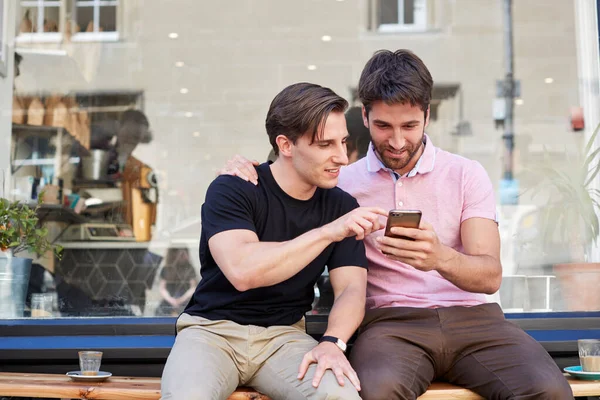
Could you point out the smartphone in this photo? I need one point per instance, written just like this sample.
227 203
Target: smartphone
404 219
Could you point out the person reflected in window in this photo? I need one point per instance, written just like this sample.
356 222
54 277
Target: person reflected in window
360 137
177 282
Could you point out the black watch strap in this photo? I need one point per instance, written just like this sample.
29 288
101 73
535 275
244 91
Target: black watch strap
338 342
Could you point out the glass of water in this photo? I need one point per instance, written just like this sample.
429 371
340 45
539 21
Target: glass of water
89 362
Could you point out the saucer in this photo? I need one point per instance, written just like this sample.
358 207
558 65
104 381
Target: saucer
77 376
578 373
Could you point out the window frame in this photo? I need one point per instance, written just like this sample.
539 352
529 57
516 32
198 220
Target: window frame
420 18
96 35
56 37
3 38
42 37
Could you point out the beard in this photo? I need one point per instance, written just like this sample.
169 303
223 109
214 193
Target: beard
409 151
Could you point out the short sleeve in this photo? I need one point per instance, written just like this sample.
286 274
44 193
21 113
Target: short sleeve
348 252
229 205
478 193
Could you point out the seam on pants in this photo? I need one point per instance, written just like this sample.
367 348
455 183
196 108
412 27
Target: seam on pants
412 383
493 373
291 386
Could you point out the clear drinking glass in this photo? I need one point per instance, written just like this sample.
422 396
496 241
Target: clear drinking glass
89 362
41 305
589 354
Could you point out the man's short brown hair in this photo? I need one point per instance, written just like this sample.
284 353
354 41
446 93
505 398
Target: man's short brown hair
299 109
395 77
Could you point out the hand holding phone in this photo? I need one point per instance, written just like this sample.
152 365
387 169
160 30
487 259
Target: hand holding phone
403 219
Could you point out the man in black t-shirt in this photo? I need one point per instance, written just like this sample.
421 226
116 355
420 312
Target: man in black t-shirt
262 249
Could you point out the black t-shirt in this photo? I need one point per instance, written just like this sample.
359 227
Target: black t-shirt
232 203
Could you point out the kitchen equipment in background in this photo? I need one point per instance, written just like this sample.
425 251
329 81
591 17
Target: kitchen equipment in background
100 200
98 232
95 166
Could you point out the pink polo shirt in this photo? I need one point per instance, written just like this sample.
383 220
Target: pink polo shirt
448 189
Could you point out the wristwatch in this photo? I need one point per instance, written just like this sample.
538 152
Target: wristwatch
338 342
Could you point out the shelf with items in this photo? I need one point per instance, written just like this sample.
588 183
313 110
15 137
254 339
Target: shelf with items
53 111
43 146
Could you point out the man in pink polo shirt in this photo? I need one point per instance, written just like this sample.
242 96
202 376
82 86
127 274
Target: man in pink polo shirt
427 318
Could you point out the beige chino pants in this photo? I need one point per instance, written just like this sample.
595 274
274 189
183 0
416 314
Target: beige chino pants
211 358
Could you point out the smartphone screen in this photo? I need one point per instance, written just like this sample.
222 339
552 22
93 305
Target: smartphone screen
404 219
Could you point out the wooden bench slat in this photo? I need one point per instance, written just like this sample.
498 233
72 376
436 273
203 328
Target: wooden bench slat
125 388
122 387
441 390
61 386
584 388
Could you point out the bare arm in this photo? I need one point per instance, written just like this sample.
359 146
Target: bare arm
478 270
248 263
349 288
162 288
189 293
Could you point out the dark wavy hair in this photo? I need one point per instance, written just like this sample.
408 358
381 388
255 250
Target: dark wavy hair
299 109
395 77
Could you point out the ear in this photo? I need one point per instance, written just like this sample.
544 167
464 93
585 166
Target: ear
428 114
365 117
285 145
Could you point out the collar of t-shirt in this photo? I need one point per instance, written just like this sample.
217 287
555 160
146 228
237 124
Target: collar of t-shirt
374 163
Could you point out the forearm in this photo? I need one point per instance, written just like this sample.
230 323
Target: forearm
261 264
187 295
166 295
347 313
472 273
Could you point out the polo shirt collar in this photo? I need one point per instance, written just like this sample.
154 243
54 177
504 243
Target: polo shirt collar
424 165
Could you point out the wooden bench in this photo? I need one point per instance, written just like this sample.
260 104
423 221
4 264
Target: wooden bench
123 388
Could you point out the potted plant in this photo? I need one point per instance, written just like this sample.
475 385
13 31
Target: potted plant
569 220
19 232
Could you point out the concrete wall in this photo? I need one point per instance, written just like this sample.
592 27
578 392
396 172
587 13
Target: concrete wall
239 53
6 89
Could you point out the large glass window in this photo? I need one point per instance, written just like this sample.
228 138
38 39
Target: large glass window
123 133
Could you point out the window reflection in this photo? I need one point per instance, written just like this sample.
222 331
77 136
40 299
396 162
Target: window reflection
124 114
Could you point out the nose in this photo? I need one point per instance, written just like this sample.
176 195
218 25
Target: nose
397 141
341 155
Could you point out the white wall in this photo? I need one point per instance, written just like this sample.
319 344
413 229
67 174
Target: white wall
6 84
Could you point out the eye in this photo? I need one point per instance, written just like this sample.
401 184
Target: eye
323 145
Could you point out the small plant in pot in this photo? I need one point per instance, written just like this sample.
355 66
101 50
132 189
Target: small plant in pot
20 233
569 220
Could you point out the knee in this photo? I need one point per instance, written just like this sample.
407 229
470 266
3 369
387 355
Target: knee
181 392
382 386
557 389
330 389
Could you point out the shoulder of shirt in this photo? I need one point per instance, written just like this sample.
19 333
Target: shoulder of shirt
352 171
232 183
339 194
356 166
453 159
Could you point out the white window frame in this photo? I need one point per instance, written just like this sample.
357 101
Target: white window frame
97 36
3 38
48 37
420 18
